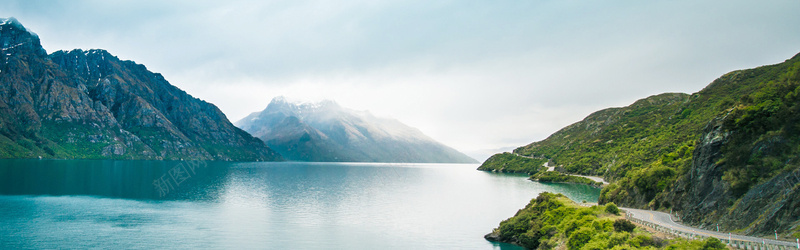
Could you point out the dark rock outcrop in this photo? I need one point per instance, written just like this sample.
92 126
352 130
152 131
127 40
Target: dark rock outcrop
702 192
705 199
91 104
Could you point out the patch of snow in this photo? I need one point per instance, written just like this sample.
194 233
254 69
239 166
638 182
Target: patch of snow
14 46
13 21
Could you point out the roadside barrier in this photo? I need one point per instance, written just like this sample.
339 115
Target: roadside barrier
736 244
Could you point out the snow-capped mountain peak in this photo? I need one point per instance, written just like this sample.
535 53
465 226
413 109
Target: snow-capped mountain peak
326 131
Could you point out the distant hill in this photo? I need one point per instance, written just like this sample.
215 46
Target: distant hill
325 131
727 154
92 105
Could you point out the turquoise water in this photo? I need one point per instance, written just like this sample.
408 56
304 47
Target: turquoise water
163 204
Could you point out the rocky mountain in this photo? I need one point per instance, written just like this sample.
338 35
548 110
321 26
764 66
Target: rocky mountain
727 154
90 104
325 131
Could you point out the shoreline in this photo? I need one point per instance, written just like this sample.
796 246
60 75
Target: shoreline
567 182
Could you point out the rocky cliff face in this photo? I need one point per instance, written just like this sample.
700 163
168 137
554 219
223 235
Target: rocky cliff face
707 196
326 131
700 193
745 173
91 104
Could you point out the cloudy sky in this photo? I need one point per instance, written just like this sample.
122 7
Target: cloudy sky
480 76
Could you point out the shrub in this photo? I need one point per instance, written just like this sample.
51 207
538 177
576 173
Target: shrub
612 208
618 239
622 247
623 225
580 237
596 245
529 240
641 241
712 243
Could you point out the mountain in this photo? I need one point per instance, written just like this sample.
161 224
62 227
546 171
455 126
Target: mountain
325 131
92 105
727 154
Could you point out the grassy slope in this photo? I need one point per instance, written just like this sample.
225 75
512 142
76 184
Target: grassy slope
553 221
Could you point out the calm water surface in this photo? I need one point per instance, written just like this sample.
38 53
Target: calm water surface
163 204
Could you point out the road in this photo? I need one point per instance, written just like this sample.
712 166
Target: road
553 168
665 220
594 178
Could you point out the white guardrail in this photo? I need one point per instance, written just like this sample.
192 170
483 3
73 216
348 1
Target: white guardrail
735 244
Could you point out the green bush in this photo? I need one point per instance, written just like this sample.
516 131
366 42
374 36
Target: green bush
623 225
618 238
713 244
596 245
641 241
580 237
612 208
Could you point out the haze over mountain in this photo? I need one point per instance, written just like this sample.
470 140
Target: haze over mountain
90 104
325 131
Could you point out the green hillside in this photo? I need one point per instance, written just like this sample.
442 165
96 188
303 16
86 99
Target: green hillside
675 151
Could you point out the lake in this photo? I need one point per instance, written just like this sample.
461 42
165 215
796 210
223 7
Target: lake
286 205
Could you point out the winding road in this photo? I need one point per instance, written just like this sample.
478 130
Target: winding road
665 220
594 178
553 168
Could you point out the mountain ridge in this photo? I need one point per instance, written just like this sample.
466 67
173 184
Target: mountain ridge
92 105
325 131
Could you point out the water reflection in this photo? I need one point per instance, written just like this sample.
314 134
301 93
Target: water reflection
115 204
210 181
120 179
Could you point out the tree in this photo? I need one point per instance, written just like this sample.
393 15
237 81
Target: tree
623 225
612 208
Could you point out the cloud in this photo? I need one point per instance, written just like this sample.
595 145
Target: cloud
473 74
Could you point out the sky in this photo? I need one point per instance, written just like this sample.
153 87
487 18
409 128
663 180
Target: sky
480 76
